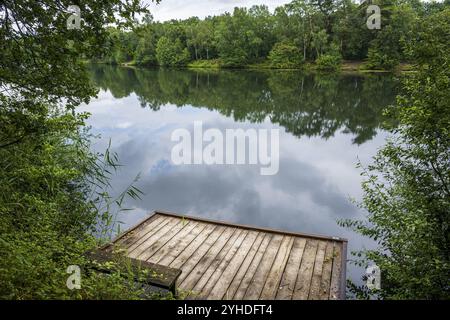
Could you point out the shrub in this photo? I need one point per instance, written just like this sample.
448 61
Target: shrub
285 55
329 62
171 53
377 60
54 206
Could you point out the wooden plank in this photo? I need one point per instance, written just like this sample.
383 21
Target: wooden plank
158 231
202 242
184 243
314 290
236 281
172 243
213 243
216 268
124 235
221 286
303 284
336 272
234 225
272 284
206 266
153 247
247 280
140 231
218 283
289 279
325 280
343 271
256 286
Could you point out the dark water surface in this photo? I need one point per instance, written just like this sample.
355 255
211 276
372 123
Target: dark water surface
326 123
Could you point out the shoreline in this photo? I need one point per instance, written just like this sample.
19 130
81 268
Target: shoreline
347 66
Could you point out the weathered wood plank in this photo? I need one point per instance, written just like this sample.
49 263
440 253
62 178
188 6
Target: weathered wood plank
256 286
183 244
222 283
314 290
206 266
205 253
289 279
336 271
303 284
201 243
135 249
139 232
247 280
172 243
236 281
218 283
153 247
217 267
325 280
272 284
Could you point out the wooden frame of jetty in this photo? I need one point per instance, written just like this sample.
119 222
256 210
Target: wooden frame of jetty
207 259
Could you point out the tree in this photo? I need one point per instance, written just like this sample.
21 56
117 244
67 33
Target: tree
385 51
407 188
206 38
39 55
193 39
171 53
146 48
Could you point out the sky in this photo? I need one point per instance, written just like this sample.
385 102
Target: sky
182 9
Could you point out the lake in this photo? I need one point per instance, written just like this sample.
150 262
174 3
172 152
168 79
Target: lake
326 123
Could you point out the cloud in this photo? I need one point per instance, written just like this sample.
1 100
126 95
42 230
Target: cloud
182 9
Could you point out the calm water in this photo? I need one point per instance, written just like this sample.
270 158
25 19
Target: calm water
326 123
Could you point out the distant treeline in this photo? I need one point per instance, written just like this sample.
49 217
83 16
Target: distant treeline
320 31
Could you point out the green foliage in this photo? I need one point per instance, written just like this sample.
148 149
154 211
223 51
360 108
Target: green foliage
247 37
145 54
40 57
285 55
386 49
54 200
210 64
329 62
124 46
379 60
170 53
407 188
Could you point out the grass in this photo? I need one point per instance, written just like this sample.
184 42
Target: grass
205 64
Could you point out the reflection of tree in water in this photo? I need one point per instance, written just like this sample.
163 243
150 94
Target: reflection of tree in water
311 105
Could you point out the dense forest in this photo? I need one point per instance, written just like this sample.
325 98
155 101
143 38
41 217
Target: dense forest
303 31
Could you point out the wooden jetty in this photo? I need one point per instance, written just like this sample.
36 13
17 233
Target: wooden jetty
216 260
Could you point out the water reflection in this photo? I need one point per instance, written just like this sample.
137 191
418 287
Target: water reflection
314 105
326 123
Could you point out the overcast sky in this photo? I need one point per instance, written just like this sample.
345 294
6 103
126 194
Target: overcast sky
181 9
